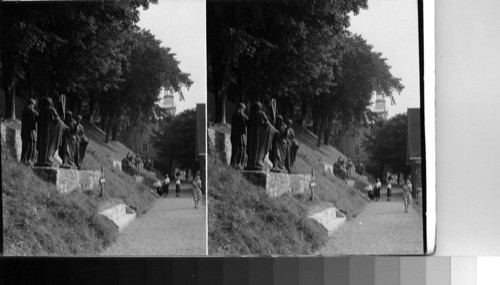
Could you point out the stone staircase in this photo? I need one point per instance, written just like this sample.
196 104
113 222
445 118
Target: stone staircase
330 218
121 215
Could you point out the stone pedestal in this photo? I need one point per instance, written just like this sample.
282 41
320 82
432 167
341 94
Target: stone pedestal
277 184
68 180
11 140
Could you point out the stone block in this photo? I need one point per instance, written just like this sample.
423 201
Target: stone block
220 144
117 164
11 140
277 184
121 215
138 179
68 180
327 167
330 218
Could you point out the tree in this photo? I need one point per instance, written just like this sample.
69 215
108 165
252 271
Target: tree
387 143
72 48
175 141
286 50
363 73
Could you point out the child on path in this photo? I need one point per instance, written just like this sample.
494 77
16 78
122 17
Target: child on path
197 189
369 190
157 185
166 182
378 186
177 184
389 188
407 194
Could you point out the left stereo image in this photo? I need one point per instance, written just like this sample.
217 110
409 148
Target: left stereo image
103 128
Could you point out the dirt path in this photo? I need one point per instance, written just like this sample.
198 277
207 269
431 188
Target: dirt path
382 228
171 227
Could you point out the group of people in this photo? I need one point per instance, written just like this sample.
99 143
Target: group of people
162 187
254 136
374 191
131 165
43 133
342 168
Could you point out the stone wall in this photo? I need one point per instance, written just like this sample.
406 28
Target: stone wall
11 139
68 180
330 218
219 143
277 184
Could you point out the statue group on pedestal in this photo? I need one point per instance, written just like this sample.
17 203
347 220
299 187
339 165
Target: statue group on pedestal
277 140
43 133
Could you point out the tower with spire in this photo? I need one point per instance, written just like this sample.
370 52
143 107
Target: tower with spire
380 107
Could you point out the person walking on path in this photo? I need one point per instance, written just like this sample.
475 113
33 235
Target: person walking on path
407 194
197 189
166 182
177 184
389 188
378 185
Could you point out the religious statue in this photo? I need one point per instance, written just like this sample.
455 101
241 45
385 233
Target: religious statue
294 147
260 134
280 148
69 148
83 142
28 133
50 132
239 137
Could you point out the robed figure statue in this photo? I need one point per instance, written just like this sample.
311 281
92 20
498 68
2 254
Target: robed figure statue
28 133
280 148
69 148
260 134
83 142
239 137
50 132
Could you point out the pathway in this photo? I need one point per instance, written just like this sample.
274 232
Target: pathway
171 227
382 228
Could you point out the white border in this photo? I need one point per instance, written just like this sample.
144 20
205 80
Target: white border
430 122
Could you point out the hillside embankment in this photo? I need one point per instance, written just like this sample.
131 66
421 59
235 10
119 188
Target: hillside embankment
243 220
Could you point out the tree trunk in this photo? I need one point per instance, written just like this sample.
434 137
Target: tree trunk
90 115
304 108
223 107
108 128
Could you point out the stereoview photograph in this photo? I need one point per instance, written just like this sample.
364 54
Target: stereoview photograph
314 128
103 128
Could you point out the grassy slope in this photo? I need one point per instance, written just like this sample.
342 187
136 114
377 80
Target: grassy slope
39 221
242 220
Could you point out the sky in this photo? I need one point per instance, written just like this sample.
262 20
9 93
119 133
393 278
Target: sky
391 27
180 25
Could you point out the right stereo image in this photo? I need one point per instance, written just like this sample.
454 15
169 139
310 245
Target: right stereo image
315 128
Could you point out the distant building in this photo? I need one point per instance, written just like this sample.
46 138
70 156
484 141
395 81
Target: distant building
414 148
139 141
351 144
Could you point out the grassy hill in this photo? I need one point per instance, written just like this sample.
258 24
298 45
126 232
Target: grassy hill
37 220
243 220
